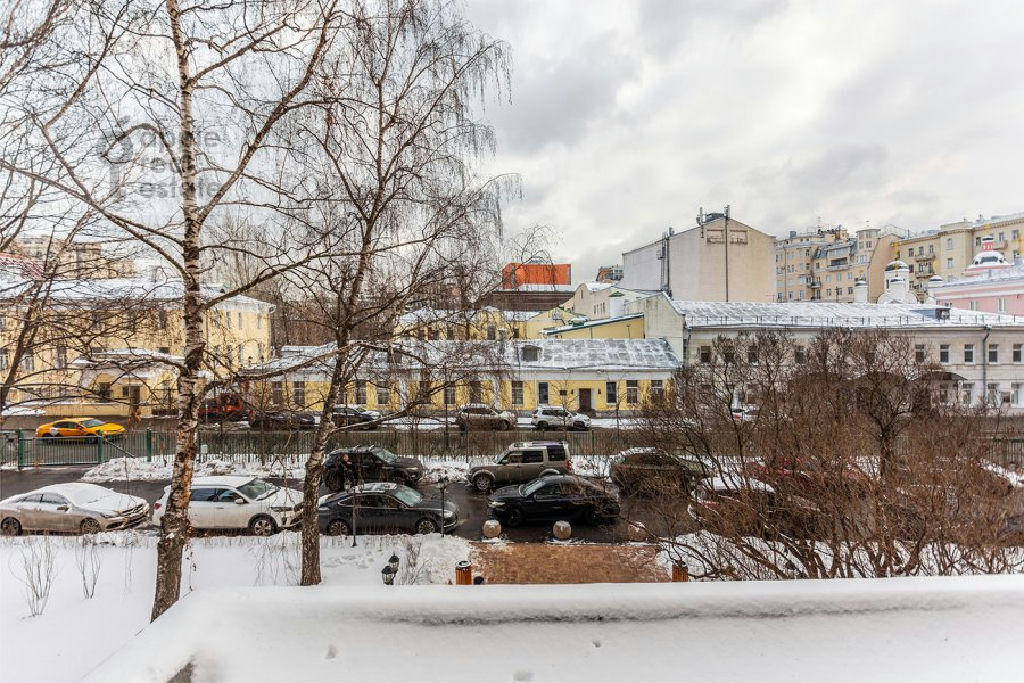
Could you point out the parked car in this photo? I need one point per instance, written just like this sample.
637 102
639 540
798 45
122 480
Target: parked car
745 414
87 428
344 416
223 408
238 502
283 419
370 464
742 506
520 463
82 508
483 416
546 417
808 478
649 471
555 497
384 507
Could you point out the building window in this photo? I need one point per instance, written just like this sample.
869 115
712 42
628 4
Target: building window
5 360
973 306
949 264
611 393
449 394
752 354
993 353
28 362
1016 396
361 392
277 393
919 353
259 321
992 395
492 332
968 353
475 391
799 354
705 354
239 320
299 393
967 394
1002 304
61 357
542 392
1018 353
383 395
657 389
161 319
530 354
103 391
944 353
517 392
632 391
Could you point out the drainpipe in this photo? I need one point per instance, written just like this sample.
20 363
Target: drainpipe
984 368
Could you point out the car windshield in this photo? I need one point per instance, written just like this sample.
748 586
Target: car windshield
407 495
91 423
257 488
386 456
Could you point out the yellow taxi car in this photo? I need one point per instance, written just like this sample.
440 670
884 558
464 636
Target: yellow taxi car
79 428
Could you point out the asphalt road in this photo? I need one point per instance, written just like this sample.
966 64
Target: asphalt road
472 506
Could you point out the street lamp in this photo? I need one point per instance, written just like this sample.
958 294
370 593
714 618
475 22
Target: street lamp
387 575
442 484
393 562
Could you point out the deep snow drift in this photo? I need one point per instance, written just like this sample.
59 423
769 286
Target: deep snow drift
74 634
934 629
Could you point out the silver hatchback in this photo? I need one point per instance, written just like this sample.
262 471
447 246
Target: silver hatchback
73 508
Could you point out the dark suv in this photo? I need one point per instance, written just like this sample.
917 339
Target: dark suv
370 464
520 463
650 471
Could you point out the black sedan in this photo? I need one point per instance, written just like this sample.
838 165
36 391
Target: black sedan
553 498
384 508
366 464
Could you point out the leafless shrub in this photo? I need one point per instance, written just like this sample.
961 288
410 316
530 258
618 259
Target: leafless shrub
88 561
37 573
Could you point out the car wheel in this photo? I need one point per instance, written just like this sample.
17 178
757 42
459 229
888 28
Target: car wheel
262 526
593 517
581 426
339 527
90 526
542 425
514 518
426 526
482 483
10 527
505 426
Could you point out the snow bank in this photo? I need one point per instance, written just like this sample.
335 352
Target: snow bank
73 635
936 629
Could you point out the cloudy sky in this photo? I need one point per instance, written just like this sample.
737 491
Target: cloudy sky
627 117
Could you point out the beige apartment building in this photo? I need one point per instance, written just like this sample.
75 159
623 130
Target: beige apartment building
825 265
946 252
721 259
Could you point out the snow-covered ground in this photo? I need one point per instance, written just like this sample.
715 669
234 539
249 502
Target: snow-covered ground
879 630
138 469
74 634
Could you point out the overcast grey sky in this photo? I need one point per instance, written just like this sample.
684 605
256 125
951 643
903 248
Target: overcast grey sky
626 117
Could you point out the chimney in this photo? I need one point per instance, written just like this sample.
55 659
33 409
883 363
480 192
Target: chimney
860 291
899 289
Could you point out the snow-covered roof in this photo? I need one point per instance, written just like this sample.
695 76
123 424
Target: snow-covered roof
597 286
534 287
587 324
426 316
130 288
981 279
817 315
552 354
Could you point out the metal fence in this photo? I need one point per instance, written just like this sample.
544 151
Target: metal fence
20 449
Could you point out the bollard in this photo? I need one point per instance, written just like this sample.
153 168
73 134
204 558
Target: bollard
492 528
562 530
680 572
463 573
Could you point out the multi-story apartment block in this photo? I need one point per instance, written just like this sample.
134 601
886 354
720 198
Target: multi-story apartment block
948 251
109 346
721 259
825 265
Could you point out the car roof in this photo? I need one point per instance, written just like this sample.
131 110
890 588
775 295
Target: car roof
223 480
534 444
730 483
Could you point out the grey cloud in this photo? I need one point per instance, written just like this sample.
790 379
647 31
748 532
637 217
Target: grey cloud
844 168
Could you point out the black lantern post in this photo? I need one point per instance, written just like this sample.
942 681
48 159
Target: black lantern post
442 484
387 575
393 562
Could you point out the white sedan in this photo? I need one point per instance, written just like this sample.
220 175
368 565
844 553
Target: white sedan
82 508
238 502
